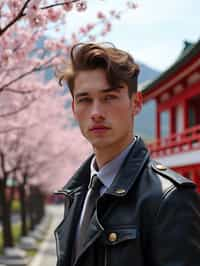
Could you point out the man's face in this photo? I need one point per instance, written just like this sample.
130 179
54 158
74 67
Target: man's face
105 114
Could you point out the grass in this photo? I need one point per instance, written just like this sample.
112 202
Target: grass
31 253
16 230
1 242
15 207
16 235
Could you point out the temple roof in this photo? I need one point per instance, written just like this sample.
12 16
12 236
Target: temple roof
190 51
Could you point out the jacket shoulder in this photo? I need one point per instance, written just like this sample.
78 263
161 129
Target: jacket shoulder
171 175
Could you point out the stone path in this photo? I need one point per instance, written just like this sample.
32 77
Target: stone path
47 253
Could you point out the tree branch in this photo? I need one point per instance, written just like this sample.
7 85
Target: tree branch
20 15
60 4
35 69
18 110
8 130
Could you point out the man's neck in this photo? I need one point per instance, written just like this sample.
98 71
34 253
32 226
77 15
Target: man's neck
105 155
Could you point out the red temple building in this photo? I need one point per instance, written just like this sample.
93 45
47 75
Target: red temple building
177 97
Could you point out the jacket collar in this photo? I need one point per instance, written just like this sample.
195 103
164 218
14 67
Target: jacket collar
125 179
130 170
80 180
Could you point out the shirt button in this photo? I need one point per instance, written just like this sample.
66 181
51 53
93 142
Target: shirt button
112 237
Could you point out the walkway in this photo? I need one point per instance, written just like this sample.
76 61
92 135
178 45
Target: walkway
47 252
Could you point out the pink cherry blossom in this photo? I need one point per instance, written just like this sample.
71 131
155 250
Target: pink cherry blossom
68 6
14 4
100 15
33 7
132 5
90 26
81 6
53 15
37 20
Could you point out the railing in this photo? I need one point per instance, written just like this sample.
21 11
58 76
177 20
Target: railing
177 143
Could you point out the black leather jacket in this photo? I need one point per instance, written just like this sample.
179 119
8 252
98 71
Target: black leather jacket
150 216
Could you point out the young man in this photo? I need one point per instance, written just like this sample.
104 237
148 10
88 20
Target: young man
122 208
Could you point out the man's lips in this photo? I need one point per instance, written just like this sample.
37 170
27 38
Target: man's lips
98 128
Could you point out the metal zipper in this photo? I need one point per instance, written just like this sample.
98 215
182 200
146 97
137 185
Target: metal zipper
106 257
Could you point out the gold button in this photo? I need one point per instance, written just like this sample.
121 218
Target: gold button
161 167
112 237
120 190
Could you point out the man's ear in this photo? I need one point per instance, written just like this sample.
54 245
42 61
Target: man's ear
137 103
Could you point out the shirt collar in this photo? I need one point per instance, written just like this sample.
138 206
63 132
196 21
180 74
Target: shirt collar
108 172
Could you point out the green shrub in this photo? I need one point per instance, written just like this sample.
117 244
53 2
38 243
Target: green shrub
15 206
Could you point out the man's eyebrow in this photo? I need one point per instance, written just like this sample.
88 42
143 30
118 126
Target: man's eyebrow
112 89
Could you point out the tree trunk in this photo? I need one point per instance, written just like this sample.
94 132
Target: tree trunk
40 205
6 217
23 210
31 210
11 196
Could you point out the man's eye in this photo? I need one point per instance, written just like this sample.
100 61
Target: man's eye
110 97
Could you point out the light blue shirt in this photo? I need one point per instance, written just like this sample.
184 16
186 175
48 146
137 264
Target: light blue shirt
108 172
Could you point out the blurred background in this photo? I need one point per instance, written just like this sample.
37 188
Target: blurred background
40 143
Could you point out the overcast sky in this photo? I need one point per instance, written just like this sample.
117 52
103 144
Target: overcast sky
153 33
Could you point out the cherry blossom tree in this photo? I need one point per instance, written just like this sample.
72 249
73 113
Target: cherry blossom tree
17 44
39 144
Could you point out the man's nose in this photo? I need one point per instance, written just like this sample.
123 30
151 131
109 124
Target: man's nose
97 112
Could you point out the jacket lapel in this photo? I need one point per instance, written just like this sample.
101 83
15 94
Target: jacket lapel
65 232
130 170
94 231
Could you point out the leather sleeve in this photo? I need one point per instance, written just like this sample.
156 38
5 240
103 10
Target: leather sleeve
176 235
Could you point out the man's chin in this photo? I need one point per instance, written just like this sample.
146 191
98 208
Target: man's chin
99 145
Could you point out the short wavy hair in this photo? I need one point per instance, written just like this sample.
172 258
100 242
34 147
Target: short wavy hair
119 65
